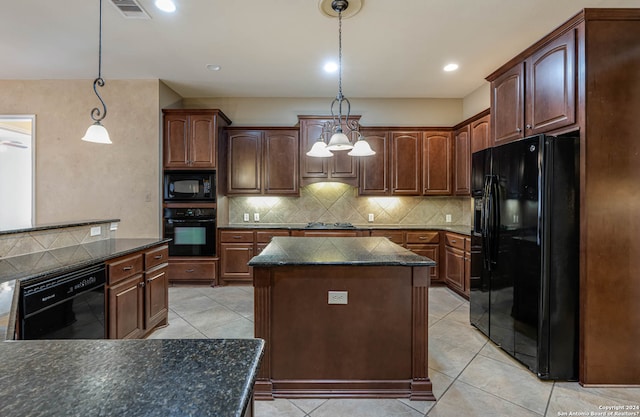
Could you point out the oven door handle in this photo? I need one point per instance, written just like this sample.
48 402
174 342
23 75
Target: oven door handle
191 221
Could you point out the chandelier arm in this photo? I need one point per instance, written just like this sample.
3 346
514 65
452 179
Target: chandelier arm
95 112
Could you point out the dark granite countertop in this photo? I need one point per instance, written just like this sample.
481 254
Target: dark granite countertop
336 251
456 228
182 377
50 226
39 265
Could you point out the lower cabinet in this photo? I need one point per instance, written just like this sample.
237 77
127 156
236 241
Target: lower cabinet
236 250
192 270
457 262
426 243
137 293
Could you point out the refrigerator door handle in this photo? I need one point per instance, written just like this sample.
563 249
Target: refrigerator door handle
494 221
484 223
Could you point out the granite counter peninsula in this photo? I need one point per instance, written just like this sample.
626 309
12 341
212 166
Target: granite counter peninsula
342 317
129 377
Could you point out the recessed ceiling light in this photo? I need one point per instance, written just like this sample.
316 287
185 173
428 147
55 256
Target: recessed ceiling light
331 67
166 5
214 67
450 67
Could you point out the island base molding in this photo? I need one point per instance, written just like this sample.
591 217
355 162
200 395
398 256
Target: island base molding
414 390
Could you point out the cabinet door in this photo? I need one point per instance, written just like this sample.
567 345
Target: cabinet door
126 308
281 162
454 268
436 157
431 251
374 170
551 86
233 262
310 131
156 296
202 141
244 162
480 134
406 164
176 136
462 171
507 105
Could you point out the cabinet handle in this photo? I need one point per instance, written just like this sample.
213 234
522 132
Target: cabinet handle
141 285
453 241
190 270
422 237
127 268
528 126
158 257
237 237
518 130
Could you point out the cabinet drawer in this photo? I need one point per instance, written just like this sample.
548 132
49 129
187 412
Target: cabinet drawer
396 236
124 267
192 271
454 240
423 237
156 256
230 236
264 236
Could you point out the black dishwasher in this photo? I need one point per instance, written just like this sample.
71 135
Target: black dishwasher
66 306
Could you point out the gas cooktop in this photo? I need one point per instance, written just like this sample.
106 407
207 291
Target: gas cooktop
321 225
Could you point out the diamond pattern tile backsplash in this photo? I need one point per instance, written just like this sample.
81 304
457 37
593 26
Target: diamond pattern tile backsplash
336 202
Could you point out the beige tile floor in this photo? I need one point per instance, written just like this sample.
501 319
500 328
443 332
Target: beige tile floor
471 377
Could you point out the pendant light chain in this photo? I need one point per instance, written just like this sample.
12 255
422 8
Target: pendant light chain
96 115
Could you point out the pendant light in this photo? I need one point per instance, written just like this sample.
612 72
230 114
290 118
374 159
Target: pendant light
339 141
97 133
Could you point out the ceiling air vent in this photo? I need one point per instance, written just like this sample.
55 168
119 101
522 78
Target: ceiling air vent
130 9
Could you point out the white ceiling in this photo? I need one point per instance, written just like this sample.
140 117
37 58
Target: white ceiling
276 48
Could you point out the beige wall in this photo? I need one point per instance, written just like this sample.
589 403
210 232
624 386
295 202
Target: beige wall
76 180
477 101
374 112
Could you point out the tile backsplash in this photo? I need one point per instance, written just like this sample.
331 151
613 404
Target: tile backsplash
335 202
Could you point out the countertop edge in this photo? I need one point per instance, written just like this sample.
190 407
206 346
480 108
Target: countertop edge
57 226
460 229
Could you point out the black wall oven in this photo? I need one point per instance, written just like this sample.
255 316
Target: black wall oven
67 306
192 230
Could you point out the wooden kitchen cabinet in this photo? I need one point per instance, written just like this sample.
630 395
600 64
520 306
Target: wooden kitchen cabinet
396 236
263 238
480 133
462 159
193 270
426 243
190 138
436 163
137 293
406 163
327 233
262 161
454 262
236 250
537 94
340 167
374 169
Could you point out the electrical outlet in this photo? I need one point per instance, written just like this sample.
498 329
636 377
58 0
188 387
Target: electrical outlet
245 217
338 297
96 231
447 218
371 217
256 217
113 227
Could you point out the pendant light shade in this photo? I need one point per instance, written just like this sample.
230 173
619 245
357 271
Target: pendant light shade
319 150
361 148
339 142
97 133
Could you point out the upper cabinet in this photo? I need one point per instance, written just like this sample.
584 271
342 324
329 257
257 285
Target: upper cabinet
374 169
538 93
480 131
262 161
406 163
340 167
436 163
190 138
462 171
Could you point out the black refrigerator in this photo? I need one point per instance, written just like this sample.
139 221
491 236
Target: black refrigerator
525 251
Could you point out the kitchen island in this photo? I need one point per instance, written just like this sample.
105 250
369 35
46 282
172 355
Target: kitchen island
342 317
128 377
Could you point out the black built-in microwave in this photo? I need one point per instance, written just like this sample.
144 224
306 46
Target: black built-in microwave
190 186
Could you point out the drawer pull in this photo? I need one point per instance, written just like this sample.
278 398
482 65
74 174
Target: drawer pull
237 237
190 270
158 257
422 237
453 241
127 268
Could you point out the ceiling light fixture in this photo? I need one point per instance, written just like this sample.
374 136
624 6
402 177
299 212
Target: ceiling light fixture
96 132
339 141
166 5
450 67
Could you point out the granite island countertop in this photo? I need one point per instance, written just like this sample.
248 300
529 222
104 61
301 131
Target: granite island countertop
370 251
182 377
39 265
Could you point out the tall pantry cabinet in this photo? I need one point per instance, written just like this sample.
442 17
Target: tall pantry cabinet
584 79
